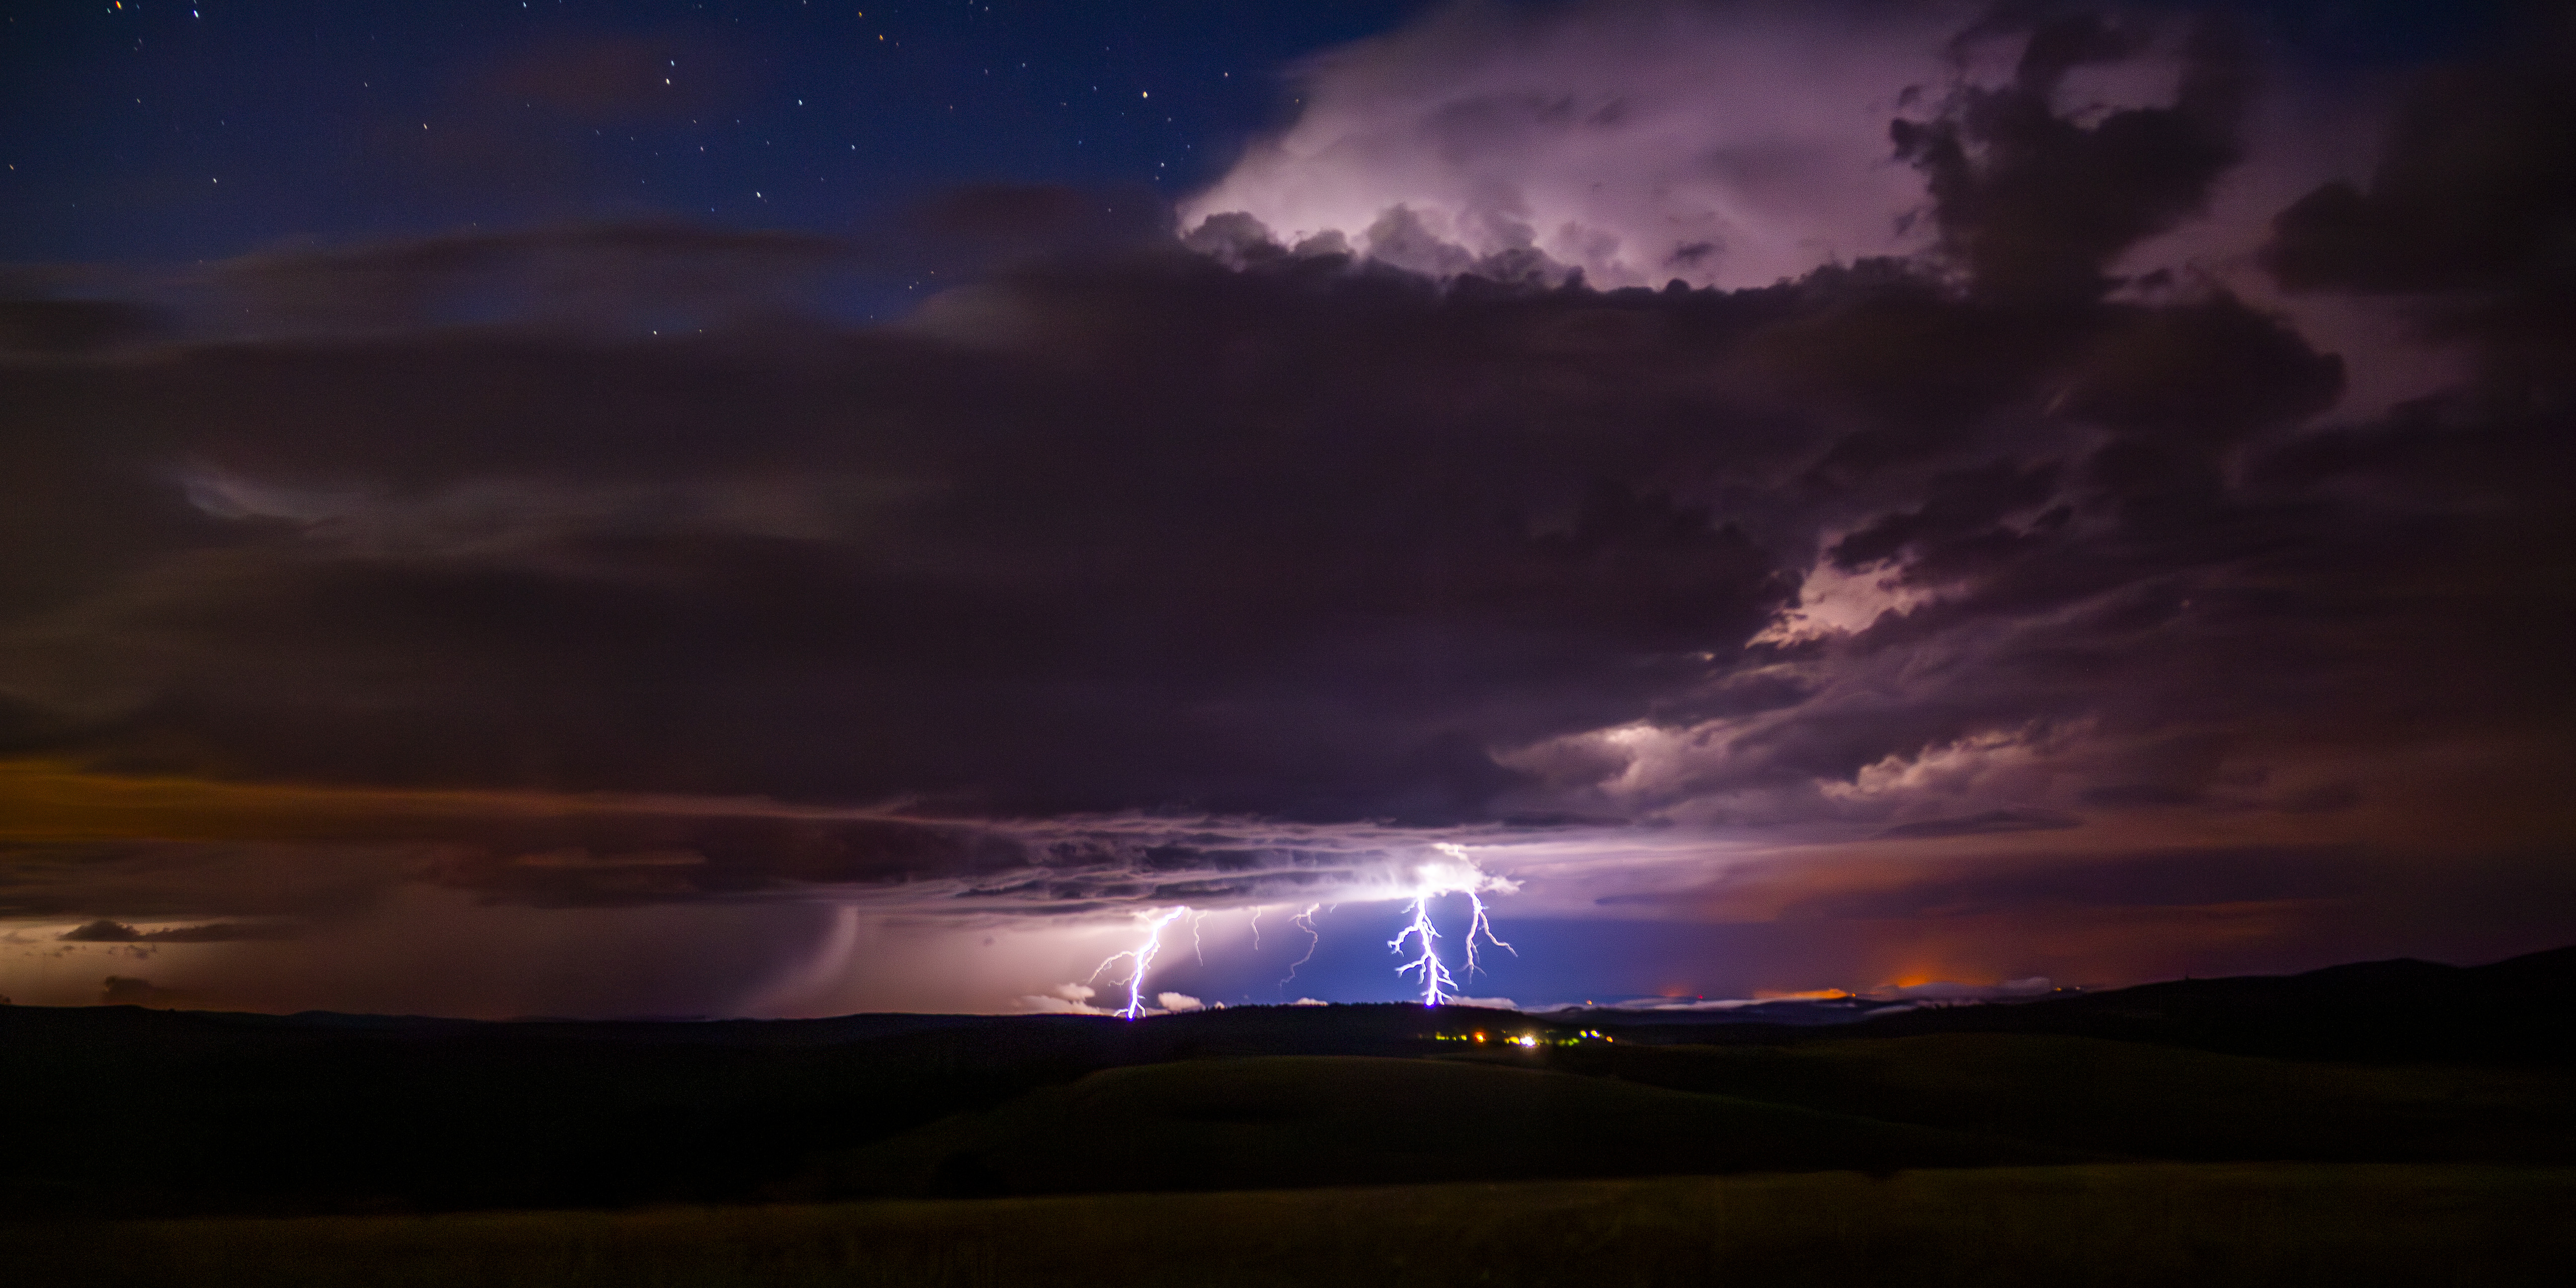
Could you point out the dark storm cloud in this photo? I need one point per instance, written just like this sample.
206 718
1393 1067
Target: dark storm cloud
2033 202
882 558
625 277
2475 188
1987 823
295 854
1059 870
2470 212
617 859
171 880
1931 551
2193 878
113 932
71 326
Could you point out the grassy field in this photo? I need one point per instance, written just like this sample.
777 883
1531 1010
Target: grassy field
157 1114
2204 1225
2135 1099
1965 1100
1272 1122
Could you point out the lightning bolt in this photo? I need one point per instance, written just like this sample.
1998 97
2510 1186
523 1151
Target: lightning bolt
1305 921
1458 876
1141 958
1454 871
1435 977
1480 926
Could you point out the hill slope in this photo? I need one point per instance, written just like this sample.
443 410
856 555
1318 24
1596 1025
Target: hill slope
119 1110
1294 1121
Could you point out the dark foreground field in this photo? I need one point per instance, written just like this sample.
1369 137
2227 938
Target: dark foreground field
2204 1225
2398 1123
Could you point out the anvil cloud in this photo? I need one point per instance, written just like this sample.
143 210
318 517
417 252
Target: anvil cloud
1917 580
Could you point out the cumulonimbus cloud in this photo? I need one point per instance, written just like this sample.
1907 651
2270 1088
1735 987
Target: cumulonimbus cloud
1716 144
1729 145
1141 579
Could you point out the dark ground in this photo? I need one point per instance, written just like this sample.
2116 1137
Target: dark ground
121 1112
2232 1225
2390 1123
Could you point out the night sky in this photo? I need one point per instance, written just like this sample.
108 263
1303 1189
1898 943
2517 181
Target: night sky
786 509
166 133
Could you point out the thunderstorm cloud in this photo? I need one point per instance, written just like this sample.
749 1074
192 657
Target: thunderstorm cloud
1832 474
